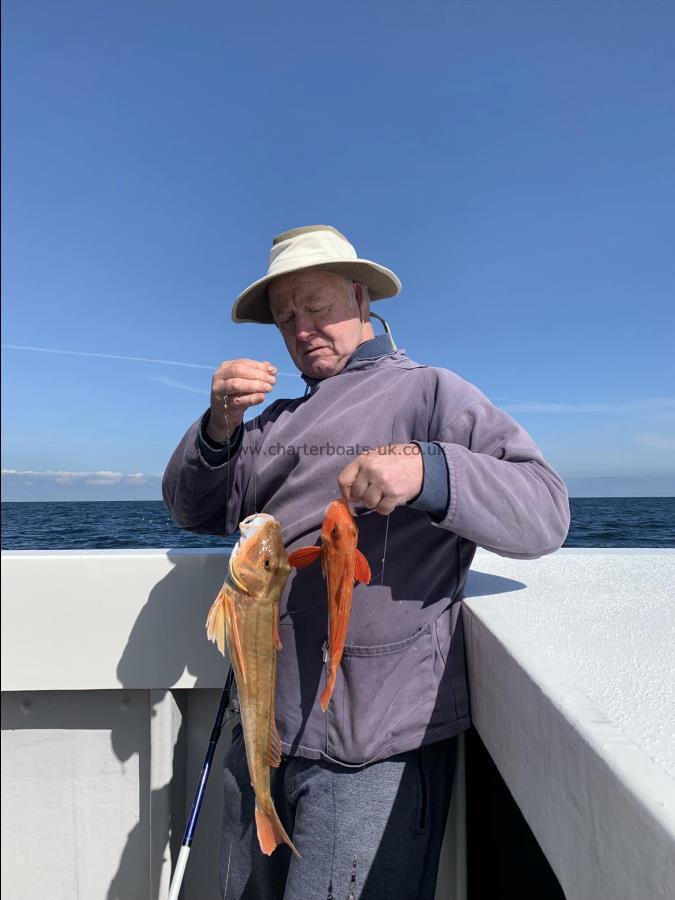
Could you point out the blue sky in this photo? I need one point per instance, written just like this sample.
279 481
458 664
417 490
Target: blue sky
512 162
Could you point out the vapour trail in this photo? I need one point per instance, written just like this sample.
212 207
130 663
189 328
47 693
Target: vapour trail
145 359
646 405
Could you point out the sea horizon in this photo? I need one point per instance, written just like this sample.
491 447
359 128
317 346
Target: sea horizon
136 524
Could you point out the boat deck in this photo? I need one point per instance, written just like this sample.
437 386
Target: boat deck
109 690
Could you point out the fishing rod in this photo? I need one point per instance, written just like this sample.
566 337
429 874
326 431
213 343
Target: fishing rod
186 846
191 827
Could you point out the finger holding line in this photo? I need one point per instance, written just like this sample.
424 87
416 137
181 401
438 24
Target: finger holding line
347 477
243 401
242 386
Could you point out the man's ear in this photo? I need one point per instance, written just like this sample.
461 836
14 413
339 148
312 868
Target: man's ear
362 301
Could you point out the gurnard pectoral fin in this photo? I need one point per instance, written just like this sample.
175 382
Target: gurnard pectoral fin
271 832
361 568
215 623
303 557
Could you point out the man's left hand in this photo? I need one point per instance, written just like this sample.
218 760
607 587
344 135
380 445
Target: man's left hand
384 478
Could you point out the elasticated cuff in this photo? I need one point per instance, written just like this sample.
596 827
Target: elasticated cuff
434 498
213 453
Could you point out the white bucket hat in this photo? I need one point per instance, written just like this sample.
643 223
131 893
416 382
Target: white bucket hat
312 247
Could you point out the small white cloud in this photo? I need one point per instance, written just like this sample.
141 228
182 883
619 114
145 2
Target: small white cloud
655 440
102 477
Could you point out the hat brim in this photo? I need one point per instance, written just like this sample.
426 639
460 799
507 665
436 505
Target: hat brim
252 306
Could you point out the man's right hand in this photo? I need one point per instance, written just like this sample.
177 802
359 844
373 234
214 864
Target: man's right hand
245 382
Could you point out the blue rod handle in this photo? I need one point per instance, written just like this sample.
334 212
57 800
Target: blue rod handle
208 760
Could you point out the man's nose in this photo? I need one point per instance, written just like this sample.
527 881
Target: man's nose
304 326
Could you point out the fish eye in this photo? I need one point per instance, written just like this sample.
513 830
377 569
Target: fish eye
267 563
334 532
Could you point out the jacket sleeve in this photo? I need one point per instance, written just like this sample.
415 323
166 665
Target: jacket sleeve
202 497
503 495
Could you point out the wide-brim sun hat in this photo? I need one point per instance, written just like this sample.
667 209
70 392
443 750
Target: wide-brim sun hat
319 247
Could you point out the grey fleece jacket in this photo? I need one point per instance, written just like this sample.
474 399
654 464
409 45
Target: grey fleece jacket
402 680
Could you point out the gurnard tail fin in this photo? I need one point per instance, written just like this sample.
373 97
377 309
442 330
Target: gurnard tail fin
271 832
328 692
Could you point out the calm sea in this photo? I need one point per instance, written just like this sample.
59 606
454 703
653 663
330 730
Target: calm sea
596 522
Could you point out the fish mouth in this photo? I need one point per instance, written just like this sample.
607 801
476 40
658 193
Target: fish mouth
247 528
341 503
251 524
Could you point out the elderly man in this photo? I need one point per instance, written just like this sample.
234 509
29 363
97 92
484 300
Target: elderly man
364 788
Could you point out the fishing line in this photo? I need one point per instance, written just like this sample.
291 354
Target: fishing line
226 415
384 549
369 512
254 474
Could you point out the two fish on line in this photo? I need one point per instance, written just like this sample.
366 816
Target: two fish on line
245 616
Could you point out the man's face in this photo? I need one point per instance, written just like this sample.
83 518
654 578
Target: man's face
318 315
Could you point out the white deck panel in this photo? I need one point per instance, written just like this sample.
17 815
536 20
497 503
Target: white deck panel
573 692
105 619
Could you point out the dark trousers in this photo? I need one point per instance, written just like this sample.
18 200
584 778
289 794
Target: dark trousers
364 834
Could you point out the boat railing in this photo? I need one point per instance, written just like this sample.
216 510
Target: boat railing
109 688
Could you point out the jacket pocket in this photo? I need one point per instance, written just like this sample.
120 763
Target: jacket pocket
384 694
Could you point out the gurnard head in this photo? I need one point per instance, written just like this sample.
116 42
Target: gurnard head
258 561
339 531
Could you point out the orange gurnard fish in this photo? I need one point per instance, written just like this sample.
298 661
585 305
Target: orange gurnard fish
246 615
342 564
